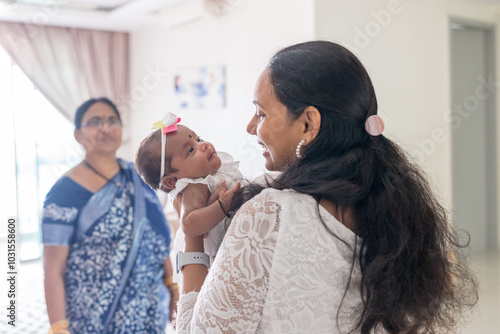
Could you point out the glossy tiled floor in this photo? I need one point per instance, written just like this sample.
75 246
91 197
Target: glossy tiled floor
31 311
32 316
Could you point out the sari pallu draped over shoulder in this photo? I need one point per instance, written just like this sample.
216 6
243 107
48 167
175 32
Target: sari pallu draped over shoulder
118 243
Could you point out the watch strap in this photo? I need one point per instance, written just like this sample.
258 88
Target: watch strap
184 259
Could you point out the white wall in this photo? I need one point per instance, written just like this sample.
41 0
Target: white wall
403 43
405 46
243 40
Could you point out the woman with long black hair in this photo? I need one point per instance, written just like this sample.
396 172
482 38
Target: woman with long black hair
348 238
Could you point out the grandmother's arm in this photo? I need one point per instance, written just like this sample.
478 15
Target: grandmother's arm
231 296
171 286
54 264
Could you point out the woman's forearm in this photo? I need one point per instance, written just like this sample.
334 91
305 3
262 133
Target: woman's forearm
55 297
54 266
171 286
193 275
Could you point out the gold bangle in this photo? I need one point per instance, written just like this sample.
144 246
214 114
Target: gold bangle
60 326
169 283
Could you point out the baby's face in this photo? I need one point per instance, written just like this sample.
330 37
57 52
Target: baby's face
191 156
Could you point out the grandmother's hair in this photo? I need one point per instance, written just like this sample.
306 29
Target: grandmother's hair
82 109
411 282
148 160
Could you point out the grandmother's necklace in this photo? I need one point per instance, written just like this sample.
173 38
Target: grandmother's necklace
118 184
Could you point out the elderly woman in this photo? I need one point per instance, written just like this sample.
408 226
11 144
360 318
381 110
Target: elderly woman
348 238
106 239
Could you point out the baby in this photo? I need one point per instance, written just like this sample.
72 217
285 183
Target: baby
177 161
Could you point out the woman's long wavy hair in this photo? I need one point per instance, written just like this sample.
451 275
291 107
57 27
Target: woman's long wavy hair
414 279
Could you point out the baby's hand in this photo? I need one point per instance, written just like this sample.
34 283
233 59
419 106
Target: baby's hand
226 196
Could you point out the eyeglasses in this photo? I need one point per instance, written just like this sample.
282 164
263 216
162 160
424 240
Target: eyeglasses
98 122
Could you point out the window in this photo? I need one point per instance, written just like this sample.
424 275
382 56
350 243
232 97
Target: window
37 148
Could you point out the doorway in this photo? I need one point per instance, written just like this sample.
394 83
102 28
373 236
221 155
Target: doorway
473 123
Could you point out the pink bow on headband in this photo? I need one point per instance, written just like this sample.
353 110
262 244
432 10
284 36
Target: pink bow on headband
168 123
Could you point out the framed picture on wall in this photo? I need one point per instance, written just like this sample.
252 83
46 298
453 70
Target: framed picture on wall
201 87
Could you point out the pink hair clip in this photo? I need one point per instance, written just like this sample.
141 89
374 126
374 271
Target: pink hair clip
374 125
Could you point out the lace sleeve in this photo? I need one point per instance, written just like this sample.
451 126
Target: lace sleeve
233 295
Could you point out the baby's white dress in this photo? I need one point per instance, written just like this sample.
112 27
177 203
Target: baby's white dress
228 171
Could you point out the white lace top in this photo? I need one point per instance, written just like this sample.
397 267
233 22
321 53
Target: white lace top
279 270
228 171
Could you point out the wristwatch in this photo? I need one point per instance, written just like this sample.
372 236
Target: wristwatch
184 259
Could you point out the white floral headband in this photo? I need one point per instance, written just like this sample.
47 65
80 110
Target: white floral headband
168 124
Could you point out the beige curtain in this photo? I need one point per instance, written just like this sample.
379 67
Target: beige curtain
70 65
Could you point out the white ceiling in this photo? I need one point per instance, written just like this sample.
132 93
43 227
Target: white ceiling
80 4
116 15
492 2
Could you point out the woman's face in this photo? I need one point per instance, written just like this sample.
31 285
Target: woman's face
276 132
101 130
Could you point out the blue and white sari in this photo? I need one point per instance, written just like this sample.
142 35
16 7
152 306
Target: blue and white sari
118 239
